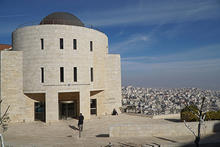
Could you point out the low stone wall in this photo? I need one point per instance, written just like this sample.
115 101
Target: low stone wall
162 130
167 116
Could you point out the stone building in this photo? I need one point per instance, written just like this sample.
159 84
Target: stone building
58 69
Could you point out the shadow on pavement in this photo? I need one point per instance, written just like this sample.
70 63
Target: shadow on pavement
127 144
173 141
152 145
102 135
173 120
73 127
212 140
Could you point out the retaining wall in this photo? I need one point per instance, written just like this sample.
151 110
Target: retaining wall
169 129
167 116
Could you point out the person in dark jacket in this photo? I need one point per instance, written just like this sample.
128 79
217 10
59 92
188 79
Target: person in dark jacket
80 122
114 112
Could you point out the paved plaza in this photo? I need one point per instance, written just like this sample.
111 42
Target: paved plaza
96 133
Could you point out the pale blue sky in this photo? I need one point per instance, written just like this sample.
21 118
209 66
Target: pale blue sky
172 43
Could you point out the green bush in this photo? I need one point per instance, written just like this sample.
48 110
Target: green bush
212 115
187 114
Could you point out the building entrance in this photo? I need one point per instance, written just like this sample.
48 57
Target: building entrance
67 109
39 111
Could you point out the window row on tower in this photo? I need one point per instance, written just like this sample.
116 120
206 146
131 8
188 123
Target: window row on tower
62 74
62 44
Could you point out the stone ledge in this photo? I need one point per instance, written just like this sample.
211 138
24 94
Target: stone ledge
163 129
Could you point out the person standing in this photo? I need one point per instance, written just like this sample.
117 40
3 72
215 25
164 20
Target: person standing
80 122
114 112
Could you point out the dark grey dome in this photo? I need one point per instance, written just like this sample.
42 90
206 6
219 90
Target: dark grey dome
61 18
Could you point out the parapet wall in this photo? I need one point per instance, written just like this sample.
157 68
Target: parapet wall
163 130
167 116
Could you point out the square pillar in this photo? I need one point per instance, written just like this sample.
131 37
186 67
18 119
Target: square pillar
84 98
52 106
100 106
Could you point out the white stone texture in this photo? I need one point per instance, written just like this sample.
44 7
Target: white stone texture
21 107
106 68
177 129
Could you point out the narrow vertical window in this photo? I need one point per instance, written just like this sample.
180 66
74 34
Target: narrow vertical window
42 75
42 43
75 74
91 74
93 106
61 74
74 44
61 43
91 46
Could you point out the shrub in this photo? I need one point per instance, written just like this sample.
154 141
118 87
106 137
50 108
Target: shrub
213 115
187 114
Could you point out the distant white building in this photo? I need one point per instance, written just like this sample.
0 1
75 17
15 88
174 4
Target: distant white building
58 69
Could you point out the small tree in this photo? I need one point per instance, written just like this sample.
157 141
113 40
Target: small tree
201 116
4 119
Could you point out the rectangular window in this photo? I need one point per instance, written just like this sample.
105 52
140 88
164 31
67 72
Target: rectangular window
91 74
42 43
75 74
93 107
42 75
61 43
91 46
61 74
39 111
74 44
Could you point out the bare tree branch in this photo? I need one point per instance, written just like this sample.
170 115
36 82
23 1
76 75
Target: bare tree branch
191 110
201 115
4 119
4 115
189 128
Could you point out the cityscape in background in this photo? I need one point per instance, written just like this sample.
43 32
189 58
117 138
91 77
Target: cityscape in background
151 101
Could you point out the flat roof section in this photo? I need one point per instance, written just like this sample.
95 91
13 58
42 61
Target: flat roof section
5 46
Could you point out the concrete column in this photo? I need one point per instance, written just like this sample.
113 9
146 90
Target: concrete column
52 109
100 107
84 98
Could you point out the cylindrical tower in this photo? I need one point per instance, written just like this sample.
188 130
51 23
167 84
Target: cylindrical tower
60 41
67 69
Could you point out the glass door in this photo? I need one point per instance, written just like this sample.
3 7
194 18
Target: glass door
39 111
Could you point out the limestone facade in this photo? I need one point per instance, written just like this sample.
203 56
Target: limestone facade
37 48
21 108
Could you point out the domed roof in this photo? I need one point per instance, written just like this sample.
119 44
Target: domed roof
61 18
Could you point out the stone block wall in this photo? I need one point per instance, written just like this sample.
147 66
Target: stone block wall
112 83
21 107
22 74
51 58
162 130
